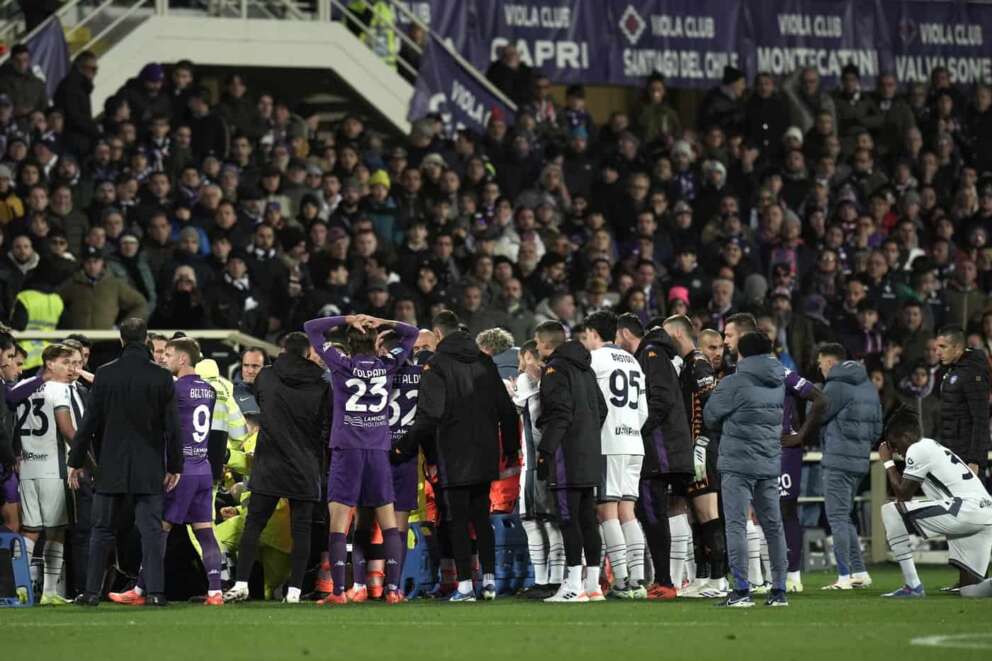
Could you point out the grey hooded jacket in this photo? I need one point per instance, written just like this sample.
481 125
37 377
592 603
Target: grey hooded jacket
853 419
748 406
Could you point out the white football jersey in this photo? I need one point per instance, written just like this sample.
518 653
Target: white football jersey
43 450
625 390
945 476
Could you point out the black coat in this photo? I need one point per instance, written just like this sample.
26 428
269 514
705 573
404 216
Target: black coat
572 415
295 423
667 441
465 417
131 424
964 407
73 97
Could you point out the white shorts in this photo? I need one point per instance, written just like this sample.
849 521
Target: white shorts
621 477
969 542
43 503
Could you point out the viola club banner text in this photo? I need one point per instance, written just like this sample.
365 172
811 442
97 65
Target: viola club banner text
620 42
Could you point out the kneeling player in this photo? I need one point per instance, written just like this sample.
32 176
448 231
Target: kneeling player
192 501
359 474
956 505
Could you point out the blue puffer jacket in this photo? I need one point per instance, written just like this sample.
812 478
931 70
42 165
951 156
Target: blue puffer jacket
853 420
747 406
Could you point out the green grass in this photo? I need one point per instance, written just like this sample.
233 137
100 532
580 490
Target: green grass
818 625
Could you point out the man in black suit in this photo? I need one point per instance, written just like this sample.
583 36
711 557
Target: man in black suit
132 428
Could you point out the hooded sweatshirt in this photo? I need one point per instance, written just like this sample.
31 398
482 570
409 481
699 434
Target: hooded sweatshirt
748 408
853 419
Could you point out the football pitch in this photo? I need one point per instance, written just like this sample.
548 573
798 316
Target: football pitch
840 626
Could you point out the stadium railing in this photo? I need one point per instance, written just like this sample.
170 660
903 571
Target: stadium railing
233 338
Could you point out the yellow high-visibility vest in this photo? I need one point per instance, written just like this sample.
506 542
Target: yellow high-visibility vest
44 311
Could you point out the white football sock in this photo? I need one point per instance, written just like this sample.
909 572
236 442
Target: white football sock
241 585
556 554
54 558
690 554
909 574
592 580
488 579
634 537
574 580
794 576
860 575
292 595
754 575
465 587
681 532
537 550
616 551
35 567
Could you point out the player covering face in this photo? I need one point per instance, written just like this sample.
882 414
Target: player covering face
360 474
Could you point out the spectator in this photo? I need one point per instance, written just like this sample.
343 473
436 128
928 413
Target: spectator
73 96
182 306
95 299
235 301
511 76
24 89
722 106
807 100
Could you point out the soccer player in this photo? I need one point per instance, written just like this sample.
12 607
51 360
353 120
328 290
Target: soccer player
570 455
955 505
360 474
402 411
192 500
45 425
622 383
537 509
698 381
797 391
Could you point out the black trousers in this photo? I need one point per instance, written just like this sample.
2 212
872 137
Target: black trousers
148 520
579 527
652 512
79 534
464 505
260 509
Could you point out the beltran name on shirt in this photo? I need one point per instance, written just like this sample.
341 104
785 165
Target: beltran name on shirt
202 393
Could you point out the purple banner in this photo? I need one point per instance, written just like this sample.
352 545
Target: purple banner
926 35
447 87
50 54
619 42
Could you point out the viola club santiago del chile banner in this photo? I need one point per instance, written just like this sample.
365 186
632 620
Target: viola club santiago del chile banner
620 42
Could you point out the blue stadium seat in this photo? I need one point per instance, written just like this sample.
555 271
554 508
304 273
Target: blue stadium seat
13 544
417 577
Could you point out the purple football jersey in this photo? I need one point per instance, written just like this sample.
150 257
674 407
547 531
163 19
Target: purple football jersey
360 387
796 389
195 400
403 401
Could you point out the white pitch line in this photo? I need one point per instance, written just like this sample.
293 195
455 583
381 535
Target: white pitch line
447 623
962 641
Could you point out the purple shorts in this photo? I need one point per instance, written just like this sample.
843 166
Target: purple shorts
405 485
360 478
192 501
8 487
792 472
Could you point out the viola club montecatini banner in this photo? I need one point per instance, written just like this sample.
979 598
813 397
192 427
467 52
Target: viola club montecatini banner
620 42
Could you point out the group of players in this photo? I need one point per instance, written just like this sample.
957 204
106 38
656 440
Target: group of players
654 382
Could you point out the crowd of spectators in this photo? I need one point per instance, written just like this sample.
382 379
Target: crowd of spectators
848 214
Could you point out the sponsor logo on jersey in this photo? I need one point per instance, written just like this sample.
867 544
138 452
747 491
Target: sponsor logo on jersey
33 456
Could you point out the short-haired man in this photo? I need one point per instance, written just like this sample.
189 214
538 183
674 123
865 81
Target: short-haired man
623 386
698 380
465 422
794 437
851 425
536 506
192 502
569 455
156 344
956 505
253 359
747 407
964 399
667 454
45 426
